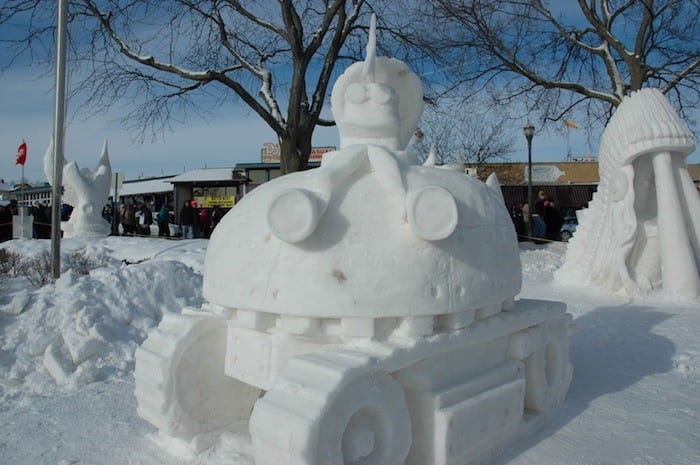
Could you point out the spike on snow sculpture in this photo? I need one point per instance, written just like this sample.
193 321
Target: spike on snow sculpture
86 191
641 231
372 299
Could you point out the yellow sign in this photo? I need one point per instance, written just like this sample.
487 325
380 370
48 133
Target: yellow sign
210 202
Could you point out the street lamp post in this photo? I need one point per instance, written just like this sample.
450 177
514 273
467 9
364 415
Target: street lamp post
529 131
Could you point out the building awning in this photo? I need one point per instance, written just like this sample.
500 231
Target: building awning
146 186
204 175
564 196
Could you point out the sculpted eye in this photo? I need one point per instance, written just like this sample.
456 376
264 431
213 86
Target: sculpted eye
380 94
356 93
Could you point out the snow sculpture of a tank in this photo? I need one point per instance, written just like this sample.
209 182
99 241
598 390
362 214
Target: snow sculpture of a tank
641 231
371 300
86 191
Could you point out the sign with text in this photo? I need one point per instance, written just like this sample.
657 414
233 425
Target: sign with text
270 153
544 173
210 201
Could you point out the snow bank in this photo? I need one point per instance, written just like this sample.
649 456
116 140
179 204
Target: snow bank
633 400
85 328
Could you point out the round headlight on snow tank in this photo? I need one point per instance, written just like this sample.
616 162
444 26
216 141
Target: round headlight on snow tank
432 213
293 215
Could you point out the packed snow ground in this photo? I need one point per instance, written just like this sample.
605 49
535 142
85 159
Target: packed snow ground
67 357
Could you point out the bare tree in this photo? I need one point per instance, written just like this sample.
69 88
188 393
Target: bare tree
555 61
180 56
465 133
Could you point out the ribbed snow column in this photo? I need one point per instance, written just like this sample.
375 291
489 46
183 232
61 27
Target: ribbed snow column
678 267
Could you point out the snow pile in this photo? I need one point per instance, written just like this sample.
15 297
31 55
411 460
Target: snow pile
85 328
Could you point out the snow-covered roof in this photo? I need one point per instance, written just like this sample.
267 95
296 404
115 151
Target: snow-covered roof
204 174
148 186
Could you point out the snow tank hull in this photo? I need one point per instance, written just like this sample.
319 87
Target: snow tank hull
363 259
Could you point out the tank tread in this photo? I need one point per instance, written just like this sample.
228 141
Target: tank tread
152 373
184 395
307 417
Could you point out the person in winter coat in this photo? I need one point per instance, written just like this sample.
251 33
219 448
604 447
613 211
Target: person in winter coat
162 220
539 228
204 222
128 219
187 220
147 220
554 220
5 221
216 215
41 223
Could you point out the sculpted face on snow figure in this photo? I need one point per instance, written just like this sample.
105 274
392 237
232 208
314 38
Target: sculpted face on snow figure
377 102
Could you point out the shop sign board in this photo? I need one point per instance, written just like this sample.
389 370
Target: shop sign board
210 201
270 153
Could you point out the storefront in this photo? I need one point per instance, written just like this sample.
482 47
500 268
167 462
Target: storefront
208 188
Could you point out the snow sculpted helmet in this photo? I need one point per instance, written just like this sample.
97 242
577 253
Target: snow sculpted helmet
369 234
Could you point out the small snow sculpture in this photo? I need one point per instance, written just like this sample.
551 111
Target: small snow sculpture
641 231
86 191
372 299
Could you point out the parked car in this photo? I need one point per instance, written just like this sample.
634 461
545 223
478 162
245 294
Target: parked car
568 228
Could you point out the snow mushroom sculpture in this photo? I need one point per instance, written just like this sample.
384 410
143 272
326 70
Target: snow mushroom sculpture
641 231
371 300
86 191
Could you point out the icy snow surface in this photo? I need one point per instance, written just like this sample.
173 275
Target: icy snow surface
634 400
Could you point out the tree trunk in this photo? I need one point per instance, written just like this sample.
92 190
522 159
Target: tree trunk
295 148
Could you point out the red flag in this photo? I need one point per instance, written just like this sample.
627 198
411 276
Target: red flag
21 154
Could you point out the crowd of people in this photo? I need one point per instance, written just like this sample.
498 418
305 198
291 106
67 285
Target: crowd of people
198 222
193 222
41 220
134 218
6 212
546 219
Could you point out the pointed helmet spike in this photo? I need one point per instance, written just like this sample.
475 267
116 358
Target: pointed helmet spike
371 54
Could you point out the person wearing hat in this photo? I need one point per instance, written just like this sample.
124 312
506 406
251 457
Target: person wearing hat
187 220
539 228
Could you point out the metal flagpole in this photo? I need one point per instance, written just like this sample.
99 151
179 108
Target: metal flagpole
58 128
21 210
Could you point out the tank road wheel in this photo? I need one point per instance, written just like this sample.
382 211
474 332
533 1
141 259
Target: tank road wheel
331 409
181 387
545 351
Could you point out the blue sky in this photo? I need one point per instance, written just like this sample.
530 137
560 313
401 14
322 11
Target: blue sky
233 134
